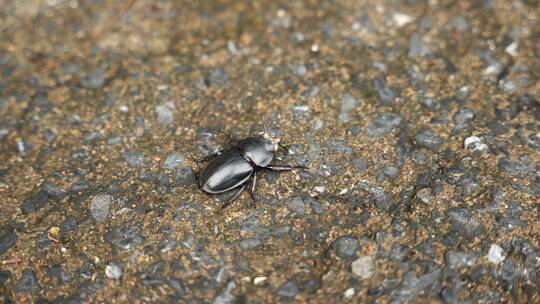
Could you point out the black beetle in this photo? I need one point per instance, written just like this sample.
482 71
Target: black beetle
237 166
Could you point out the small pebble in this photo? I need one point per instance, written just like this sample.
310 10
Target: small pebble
174 160
424 195
363 267
113 271
349 293
250 243
8 239
226 296
495 254
260 281
164 113
99 207
348 104
401 19
288 289
28 282
475 143
134 159
95 79
428 139
382 124
346 247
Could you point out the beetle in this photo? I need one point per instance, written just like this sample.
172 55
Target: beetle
237 166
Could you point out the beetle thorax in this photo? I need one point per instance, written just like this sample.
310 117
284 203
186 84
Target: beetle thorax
259 149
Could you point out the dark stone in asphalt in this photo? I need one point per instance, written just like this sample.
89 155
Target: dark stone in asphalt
8 239
28 282
428 139
124 237
57 272
345 247
383 123
288 289
4 277
35 203
387 94
464 222
185 176
133 158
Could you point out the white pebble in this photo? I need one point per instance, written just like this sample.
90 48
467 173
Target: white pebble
123 108
401 19
113 271
495 254
363 267
319 189
475 143
512 48
349 293
302 108
260 281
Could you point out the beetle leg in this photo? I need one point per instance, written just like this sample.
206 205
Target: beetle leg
236 195
252 187
209 156
283 168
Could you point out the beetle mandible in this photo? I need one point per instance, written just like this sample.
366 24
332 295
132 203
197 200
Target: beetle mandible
237 166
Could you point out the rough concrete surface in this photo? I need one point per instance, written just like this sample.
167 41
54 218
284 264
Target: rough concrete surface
418 122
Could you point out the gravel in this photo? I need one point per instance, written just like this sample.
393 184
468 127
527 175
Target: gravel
460 259
383 123
35 202
94 79
250 243
360 164
134 159
412 285
8 239
219 77
288 289
363 267
5 275
99 207
28 282
124 237
387 94
57 272
495 254
226 296
418 47
113 271
346 247
174 160
380 196
422 170
297 206
463 222
517 168
348 104
428 139
185 176
165 113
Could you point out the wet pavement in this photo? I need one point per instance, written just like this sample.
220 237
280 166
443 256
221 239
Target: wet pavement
418 122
